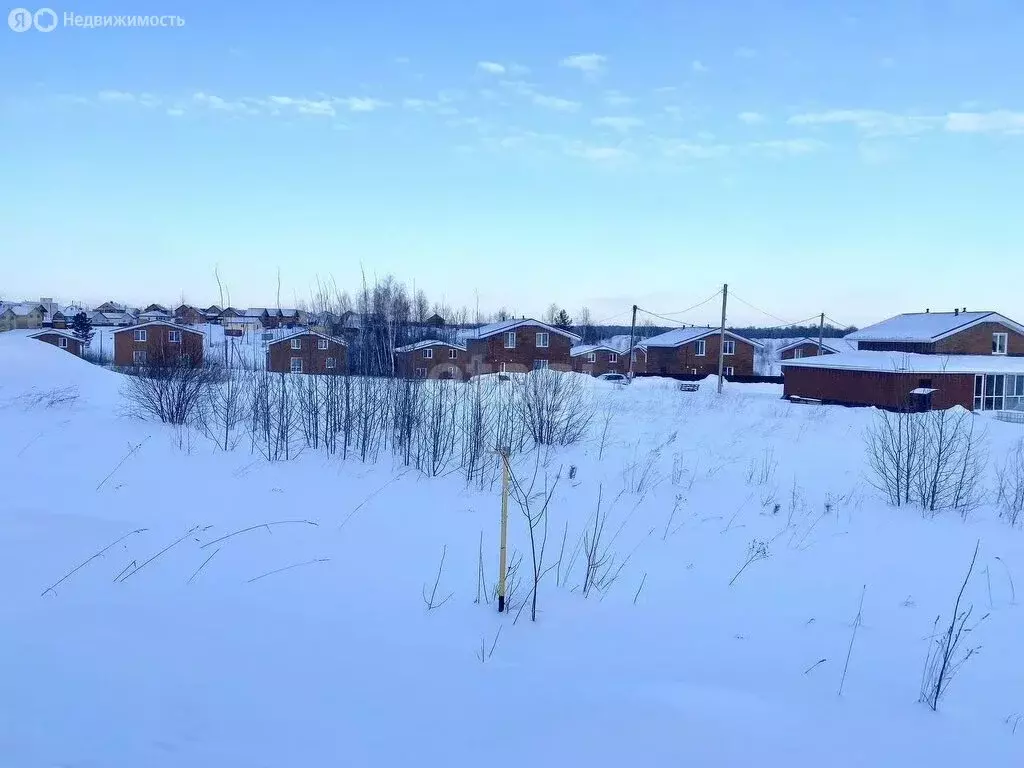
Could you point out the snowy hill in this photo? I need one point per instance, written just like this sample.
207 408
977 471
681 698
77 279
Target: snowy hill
171 604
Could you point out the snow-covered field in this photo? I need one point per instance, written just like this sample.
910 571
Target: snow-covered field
301 644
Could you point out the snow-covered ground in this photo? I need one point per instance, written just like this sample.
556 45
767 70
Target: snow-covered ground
294 644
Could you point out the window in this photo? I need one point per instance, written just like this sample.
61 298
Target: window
321 343
510 340
503 368
428 354
729 370
453 371
331 363
174 337
979 391
421 373
729 347
140 334
296 366
592 357
540 365
62 342
139 357
798 353
452 354
542 339
612 358
1015 393
999 343
296 344
702 347
993 393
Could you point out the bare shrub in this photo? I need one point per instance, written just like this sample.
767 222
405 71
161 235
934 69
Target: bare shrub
947 653
1010 485
48 398
934 459
756 550
761 471
438 427
222 410
534 505
432 601
554 406
272 416
171 389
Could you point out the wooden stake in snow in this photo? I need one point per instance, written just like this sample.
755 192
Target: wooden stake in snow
504 529
721 338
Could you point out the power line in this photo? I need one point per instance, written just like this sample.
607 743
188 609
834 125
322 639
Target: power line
695 306
665 317
662 317
620 314
763 312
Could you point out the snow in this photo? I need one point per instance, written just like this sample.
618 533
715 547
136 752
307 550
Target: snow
336 661
906 362
679 336
927 326
510 325
836 345
428 343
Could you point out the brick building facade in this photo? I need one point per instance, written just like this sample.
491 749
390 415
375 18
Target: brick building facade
431 359
308 352
694 351
61 339
518 346
157 343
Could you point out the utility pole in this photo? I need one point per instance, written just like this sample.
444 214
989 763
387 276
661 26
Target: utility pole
504 453
721 339
632 336
821 332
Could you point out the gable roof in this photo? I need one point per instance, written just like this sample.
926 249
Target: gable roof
679 336
926 327
24 309
585 349
833 345
429 343
54 332
502 326
304 332
161 323
910 362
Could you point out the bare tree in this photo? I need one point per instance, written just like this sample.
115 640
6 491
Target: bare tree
168 388
1010 483
534 506
553 406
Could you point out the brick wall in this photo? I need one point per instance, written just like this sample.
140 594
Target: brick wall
684 358
885 390
314 359
157 346
978 341
602 362
810 349
74 346
440 364
487 355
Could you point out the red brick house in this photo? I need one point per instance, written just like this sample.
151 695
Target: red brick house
943 333
158 343
596 359
431 359
807 347
694 351
61 339
895 380
189 315
517 346
308 352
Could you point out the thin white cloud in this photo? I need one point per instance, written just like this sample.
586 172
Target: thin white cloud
361 104
699 67
751 118
116 96
1000 122
788 146
588 63
320 107
175 111
491 67
615 98
556 103
621 124
869 121
745 53
689 150
219 104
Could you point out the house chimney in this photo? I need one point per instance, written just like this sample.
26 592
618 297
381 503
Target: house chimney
956 311
926 310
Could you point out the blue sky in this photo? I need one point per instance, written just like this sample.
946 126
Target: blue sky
860 159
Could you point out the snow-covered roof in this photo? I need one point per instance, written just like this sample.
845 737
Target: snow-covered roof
429 343
54 332
586 349
679 336
907 362
305 332
23 309
928 326
162 324
510 325
834 345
